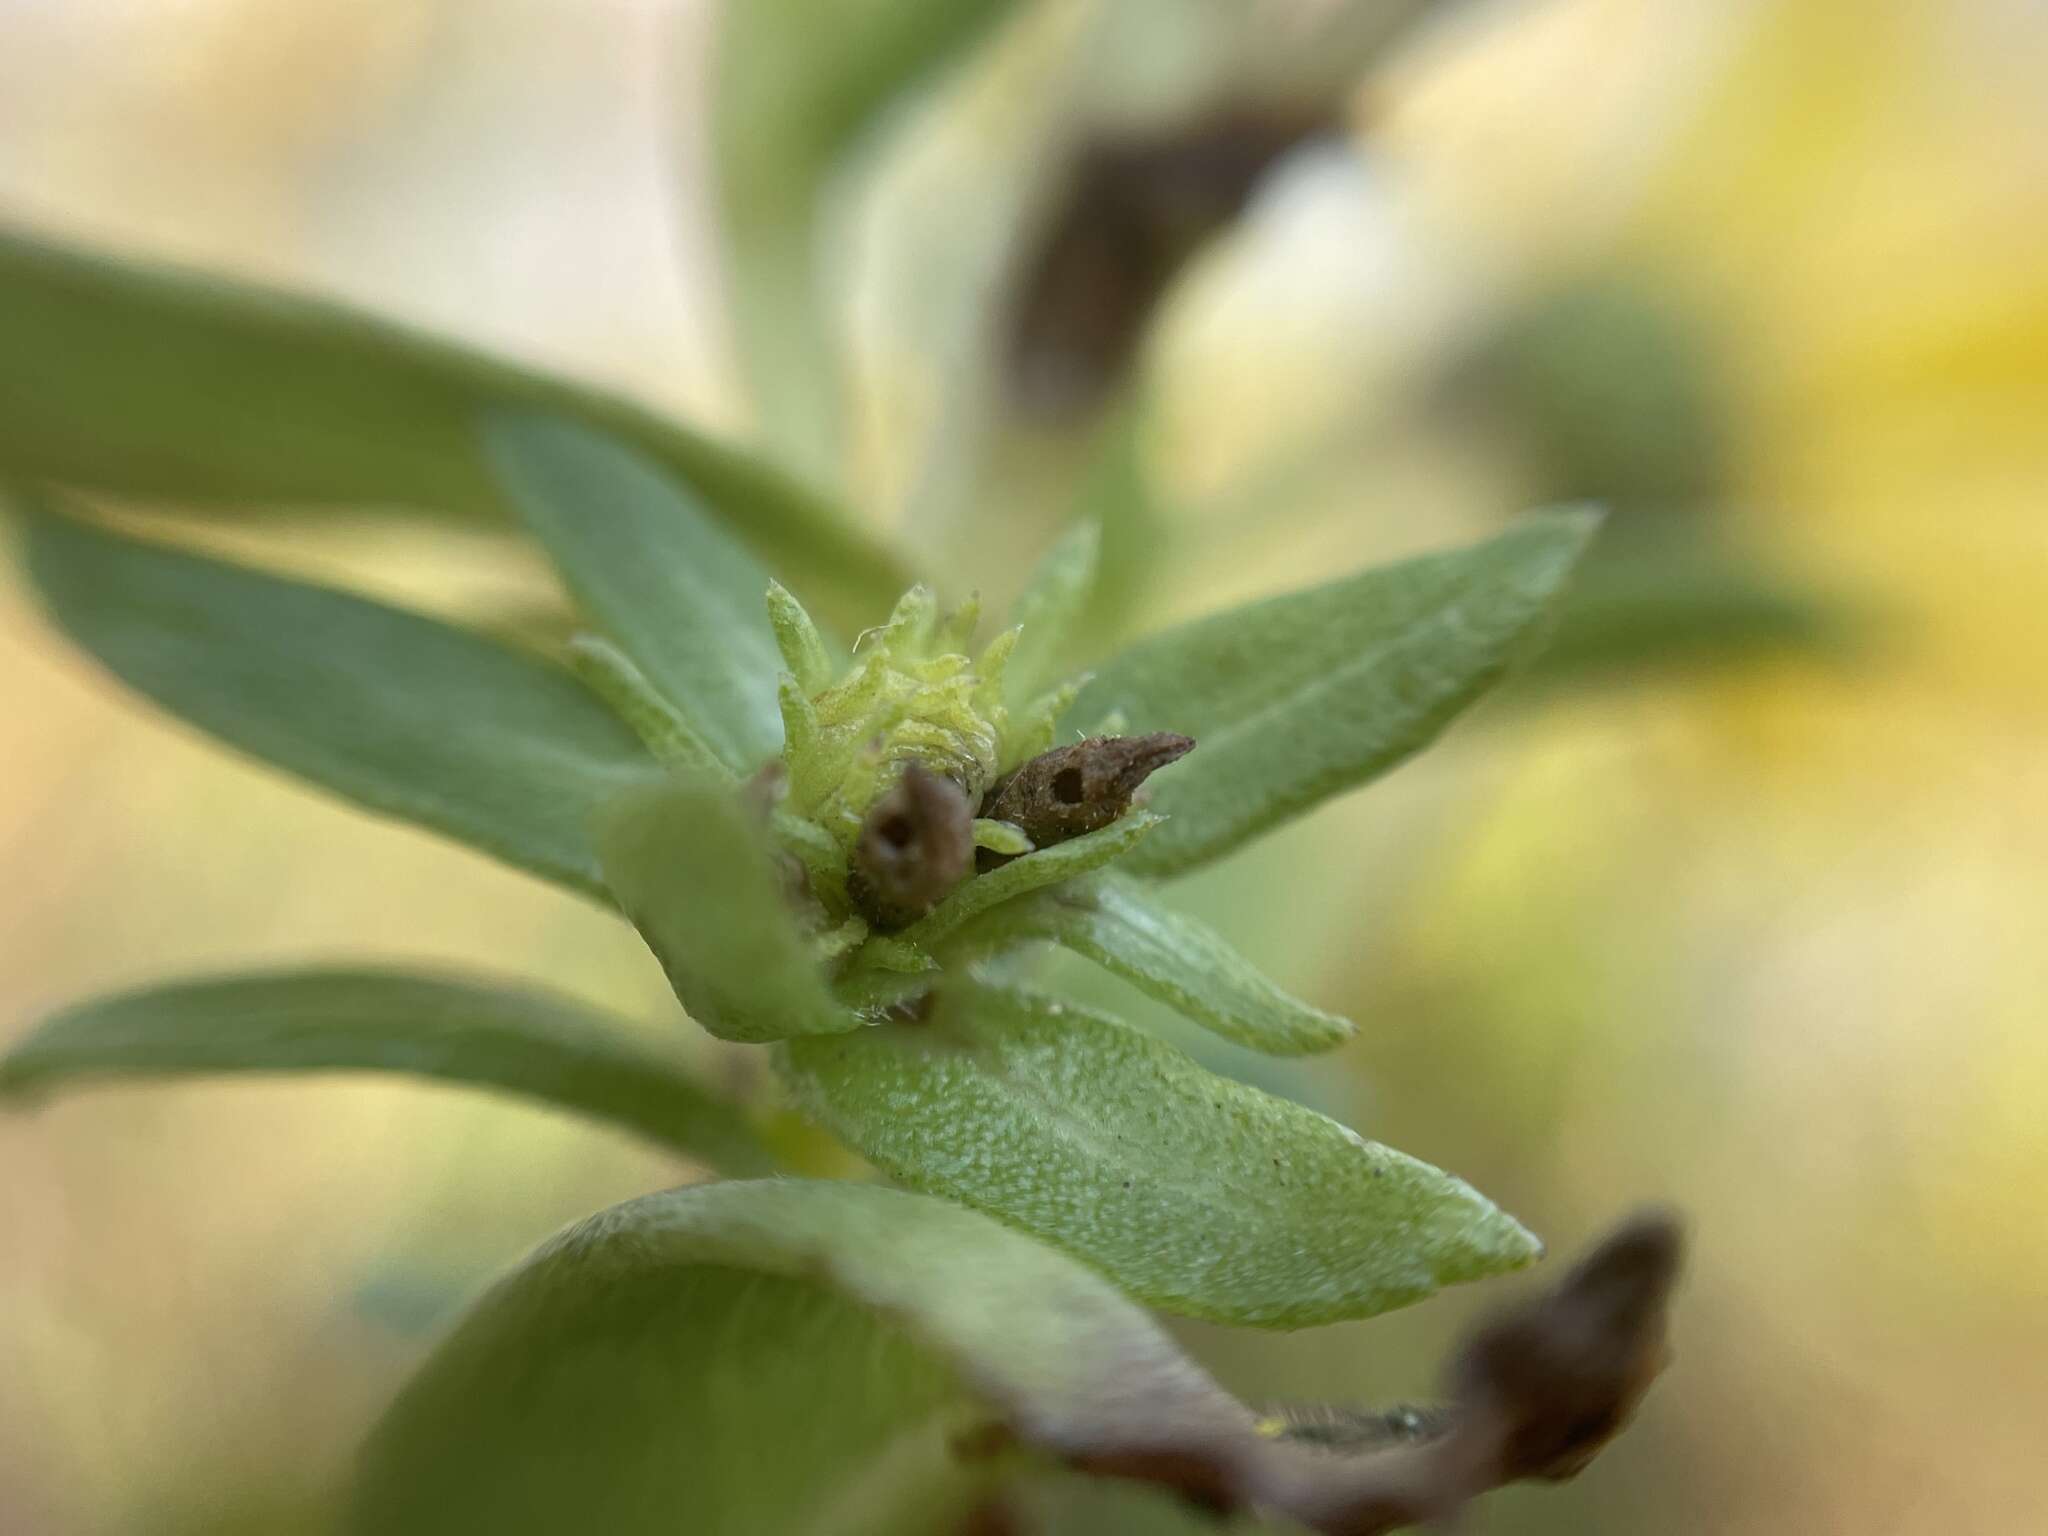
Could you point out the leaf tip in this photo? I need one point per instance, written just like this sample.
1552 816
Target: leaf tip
1474 1239
1556 1378
1331 1030
1521 1247
1572 526
1503 1245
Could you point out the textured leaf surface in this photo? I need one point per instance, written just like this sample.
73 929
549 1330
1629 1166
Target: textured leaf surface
534 1044
1193 1193
755 1358
887 973
1122 927
154 383
394 711
741 1359
675 589
1300 697
1033 871
697 878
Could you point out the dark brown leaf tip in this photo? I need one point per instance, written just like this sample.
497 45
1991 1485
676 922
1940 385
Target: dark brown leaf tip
1537 1392
1082 788
1555 1379
916 843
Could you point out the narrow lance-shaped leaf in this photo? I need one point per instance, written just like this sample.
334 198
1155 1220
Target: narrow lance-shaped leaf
697 876
687 603
667 732
1049 612
159 384
792 99
397 712
1116 490
661 1366
1301 697
1033 871
804 650
895 968
1193 1193
1122 927
531 1043
1667 594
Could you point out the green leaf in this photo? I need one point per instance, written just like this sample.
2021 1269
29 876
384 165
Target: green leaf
1192 1193
526 1042
687 603
1300 697
1029 872
670 736
805 654
1665 594
1000 837
1113 489
698 878
793 98
1123 928
159 384
753 1358
888 971
1050 611
394 711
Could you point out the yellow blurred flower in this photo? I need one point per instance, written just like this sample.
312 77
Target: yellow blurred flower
1809 893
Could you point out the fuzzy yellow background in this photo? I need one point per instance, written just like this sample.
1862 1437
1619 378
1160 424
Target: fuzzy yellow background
1765 941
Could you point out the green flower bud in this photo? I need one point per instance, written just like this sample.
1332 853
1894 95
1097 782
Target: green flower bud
912 696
